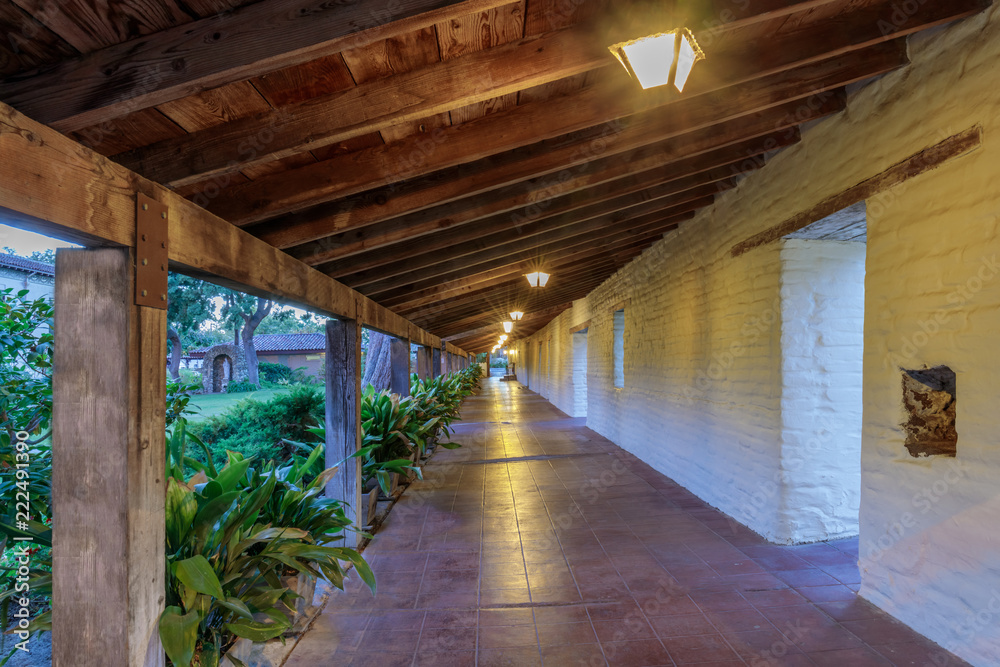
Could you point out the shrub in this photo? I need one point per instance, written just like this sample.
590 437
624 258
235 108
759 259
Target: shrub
259 428
25 423
240 386
274 373
231 535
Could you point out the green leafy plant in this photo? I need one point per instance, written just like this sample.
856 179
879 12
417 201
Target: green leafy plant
262 429
25 430
240 386
232 534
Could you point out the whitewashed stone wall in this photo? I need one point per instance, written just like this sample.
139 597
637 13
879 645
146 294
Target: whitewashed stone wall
822 346
704 368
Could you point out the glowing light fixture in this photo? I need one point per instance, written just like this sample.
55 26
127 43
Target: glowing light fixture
508 326
537 279
660 59
503 338
516 315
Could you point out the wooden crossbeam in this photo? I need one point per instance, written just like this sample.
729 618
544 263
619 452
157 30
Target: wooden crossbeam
734 119
567 225
214 51
614 197
369 107
495 329
578 289
729 74
52 184
612 176
594 248
572 280
534 246
418 302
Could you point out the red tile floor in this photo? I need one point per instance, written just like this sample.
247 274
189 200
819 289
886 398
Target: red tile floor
540 542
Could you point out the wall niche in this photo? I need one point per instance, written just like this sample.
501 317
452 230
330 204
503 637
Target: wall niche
929 398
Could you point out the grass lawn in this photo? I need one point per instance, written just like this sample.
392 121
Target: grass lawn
214 404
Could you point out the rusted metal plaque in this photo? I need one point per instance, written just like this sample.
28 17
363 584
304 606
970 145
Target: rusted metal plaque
150 252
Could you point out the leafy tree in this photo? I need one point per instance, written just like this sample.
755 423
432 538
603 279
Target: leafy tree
244 313
25 365
189 306
285 321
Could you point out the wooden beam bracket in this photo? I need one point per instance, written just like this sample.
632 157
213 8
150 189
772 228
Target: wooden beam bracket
152 255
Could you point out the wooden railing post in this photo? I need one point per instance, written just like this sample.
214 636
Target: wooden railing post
343 416
108 464
436 362
399 360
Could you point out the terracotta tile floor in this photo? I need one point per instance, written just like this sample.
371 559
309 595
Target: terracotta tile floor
540 542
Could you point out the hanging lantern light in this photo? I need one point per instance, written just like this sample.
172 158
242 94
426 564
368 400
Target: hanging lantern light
516 315
660 59
508 327
537 279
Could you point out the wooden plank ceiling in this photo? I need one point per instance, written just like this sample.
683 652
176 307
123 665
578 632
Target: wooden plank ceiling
429 152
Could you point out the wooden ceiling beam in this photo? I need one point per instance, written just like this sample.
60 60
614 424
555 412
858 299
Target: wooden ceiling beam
534 246
214 51
599 200
569 292
503 294
407 259
496 329
526 124
596 245
488 308
617 175
420 302
369 107
774 95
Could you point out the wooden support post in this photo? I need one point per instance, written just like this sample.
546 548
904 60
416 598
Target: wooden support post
109 398
399 360
436 362
424 362
343 415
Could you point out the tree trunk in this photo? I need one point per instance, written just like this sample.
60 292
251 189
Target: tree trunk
249 351
175 353
378 362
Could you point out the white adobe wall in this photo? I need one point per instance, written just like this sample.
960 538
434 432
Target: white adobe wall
701 416
703 395
822 346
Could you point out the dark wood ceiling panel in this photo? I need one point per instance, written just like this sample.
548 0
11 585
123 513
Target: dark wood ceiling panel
475 32
215 107
129 131
27 42
255 39
89 26
291 85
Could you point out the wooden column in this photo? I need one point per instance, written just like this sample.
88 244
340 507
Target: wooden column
343 415
424 362
109 397
399 359
435 362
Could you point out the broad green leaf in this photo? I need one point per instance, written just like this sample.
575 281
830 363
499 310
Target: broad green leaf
196 573
256 631
236 606
179 635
